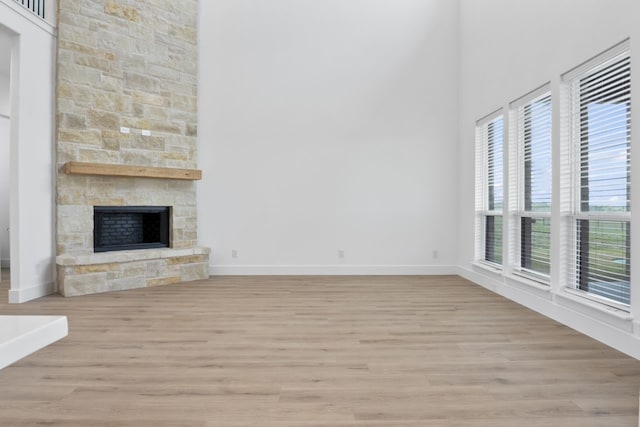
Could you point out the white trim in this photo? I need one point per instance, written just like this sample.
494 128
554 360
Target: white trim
603 216
489 266
608 326
331 270
596 299
529 287
634 305
531 214
610 315
30 16
530 279
530 96
489 117
20 295
490 213
598 60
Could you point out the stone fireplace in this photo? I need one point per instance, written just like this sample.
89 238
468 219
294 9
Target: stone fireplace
126 141
125 260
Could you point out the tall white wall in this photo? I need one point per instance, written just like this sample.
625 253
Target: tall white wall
4 192
326 126
5 106
508 48
4 160
31 161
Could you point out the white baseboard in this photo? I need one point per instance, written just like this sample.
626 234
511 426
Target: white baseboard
614 331
17 296
331 270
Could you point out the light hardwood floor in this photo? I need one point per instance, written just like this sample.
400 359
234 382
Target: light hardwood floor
5 277
315 351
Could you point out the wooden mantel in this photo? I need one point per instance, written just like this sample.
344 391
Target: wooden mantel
105 169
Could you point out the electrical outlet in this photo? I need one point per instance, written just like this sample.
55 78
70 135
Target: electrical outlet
341 254
234 253
435 254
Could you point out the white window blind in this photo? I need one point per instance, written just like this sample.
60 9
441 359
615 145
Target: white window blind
530 178
489 189
600 105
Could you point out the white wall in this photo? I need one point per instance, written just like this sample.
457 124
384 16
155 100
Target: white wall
32 196
326 126
4 160
4 192
508 48
5 107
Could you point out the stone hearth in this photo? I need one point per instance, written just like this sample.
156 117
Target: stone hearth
121 270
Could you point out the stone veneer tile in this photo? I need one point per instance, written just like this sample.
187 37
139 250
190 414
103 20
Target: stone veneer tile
164 281
132 64
198 271
134 269
126 283
99 268
126 64
95 278
73 285
129 256
191 259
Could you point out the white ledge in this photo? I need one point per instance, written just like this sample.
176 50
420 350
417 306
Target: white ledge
22 335
601 311
127 256
492 268
528 281
44 24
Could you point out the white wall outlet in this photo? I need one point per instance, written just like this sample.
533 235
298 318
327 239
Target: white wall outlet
341 254
234 253
435 254
124 130
146 132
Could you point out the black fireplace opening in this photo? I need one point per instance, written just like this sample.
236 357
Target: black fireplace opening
121 228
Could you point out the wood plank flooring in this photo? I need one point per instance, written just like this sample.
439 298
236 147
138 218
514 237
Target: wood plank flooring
432 351
5 277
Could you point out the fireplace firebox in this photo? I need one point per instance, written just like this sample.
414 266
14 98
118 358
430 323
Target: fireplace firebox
120 228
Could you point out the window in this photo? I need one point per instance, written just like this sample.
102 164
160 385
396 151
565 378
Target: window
489 189
599 155
530 180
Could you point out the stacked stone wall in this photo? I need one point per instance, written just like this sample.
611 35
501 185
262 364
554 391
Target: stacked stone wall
125 64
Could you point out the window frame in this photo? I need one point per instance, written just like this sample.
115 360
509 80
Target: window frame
483 208
518 211
573 181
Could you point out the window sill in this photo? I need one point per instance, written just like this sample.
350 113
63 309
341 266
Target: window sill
594 309
492 268
521 278
566 298
594 302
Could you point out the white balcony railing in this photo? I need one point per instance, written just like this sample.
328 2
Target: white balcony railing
44 9
35 6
